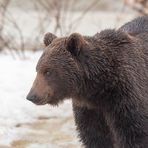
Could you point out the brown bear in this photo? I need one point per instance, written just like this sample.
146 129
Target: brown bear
106 75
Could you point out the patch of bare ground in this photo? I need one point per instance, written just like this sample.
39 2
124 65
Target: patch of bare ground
48 130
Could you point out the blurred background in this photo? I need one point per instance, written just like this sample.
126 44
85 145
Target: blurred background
22 28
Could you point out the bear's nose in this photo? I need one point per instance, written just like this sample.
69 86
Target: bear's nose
32 98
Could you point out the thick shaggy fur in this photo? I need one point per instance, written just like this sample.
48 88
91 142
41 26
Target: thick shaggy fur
120 92
106 76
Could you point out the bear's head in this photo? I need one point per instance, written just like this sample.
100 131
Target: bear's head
74 67
59 73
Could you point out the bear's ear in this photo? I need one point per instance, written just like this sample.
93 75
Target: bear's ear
48 38
75 43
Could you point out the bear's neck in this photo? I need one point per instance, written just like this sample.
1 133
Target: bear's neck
101 81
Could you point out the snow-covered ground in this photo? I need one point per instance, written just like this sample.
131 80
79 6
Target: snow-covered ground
23 124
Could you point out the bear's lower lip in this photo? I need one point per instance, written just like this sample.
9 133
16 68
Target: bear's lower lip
39 102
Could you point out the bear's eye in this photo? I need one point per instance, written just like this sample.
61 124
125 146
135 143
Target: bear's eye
48 73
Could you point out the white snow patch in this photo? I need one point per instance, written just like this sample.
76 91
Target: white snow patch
15 82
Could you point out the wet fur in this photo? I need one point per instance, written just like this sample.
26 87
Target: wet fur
118 89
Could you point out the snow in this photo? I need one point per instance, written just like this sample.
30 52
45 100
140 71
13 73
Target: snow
16 80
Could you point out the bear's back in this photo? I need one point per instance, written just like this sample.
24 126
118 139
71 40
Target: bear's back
137 26
139 29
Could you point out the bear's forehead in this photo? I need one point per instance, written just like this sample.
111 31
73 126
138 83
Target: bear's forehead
55 49
59 41
57 44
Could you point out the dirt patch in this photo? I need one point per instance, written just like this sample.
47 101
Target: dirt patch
48 130
20 143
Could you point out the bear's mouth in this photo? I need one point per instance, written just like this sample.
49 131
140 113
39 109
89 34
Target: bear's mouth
48 99
37 100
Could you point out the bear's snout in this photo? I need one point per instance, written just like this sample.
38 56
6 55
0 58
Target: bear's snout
35 99
32 98
40 91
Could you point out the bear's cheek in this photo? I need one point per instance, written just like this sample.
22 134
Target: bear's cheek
40 91
59 92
